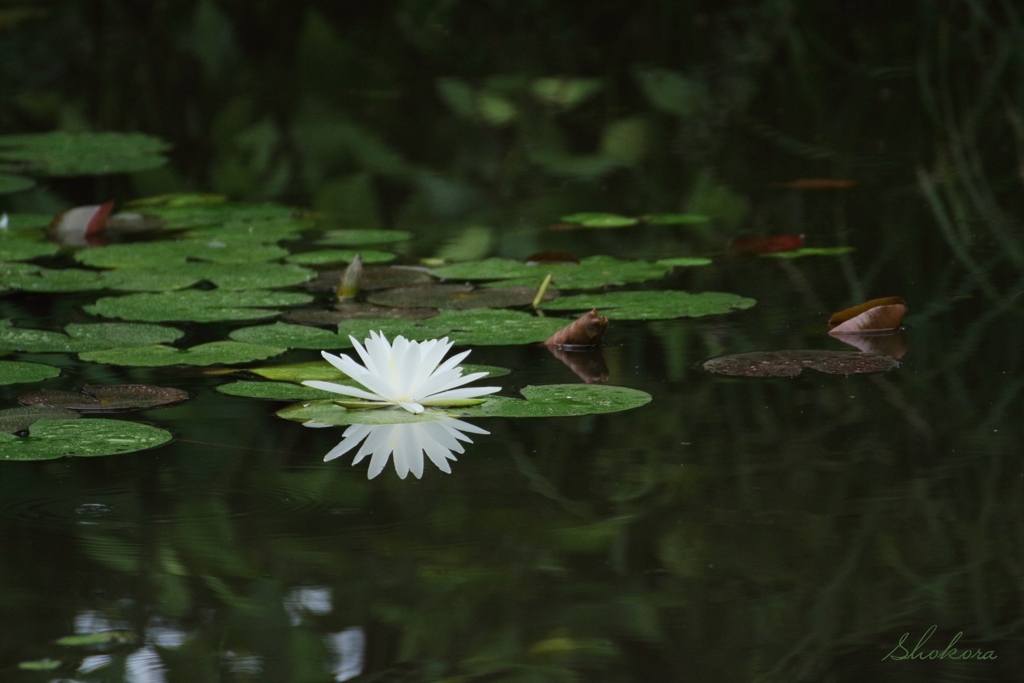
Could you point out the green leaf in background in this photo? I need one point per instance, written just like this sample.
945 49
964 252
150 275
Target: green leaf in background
674 218
16 372
46 664
270 230
276 391
161 254
353 238
654 305
330 256
555 400
590 273
197 305
600 220
19 419
32 223
15 248
14 183
71 154
213 212
672 92
159 355
810 251
84 337
564 93
50 439
684 261
112 637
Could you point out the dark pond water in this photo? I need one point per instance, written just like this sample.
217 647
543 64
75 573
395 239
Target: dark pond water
822 527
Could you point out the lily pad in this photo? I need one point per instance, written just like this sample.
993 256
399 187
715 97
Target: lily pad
106 398
684 261
381 277
276 391
792 363
197 305
272 230
352 238
14 420
14 248
351 310
71 154
591 272
600 220
653 305
84 337
554 400
810 251
675 218
159 355
323 257
194 214
50 439
291 336
14 183
17 372
457 297
160 254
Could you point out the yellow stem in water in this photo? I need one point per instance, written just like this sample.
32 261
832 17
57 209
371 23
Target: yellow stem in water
540 292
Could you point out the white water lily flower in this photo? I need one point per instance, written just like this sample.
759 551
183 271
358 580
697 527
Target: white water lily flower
407 442
405 374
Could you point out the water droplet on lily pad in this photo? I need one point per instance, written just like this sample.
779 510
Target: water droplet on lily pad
48 439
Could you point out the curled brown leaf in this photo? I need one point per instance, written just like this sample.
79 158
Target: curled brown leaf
587 330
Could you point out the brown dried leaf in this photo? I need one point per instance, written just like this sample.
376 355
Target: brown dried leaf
109 398
587 330
791 363
871 316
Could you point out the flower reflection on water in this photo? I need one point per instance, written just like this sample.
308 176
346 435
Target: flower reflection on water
407 442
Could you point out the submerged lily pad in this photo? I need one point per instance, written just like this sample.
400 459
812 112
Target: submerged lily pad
353 238
276 391
158 355
71 154
675 218
653 305
161 254
84 337
17 372
792 363
106 398
810 251
590 273
50 439
457 297
554 400
600 220
478 327
14 420
197 305
324 257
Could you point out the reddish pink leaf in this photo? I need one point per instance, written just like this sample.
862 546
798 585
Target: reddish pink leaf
766 245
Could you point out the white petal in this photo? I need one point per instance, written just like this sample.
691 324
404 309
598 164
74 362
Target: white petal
465 392
411 407
343 389
349 442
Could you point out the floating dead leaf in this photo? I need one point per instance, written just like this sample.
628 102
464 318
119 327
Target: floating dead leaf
457 297
892 344
14 420
877 315
817 184
792 363
588 364
82 225
372 277
586 330
766 245
106 398
551 256
351 310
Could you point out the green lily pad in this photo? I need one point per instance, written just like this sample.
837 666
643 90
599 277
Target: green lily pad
323 257
71 154
684 261
457 297
14 183
14 420
590 273
29 225
46 664
324 371
554 400
50 439
674 218
106 398
161 254
478 327
159 355
653 305
276 391
84 337
372 277
600 220
197 305
195 214
271 230
810 251
353 310
17 372
112 637
354 238
13 248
